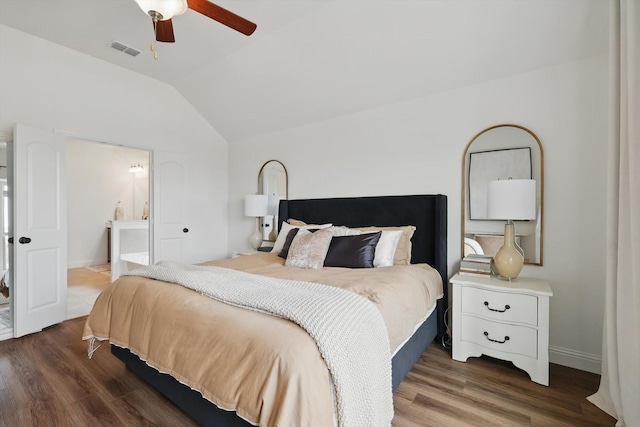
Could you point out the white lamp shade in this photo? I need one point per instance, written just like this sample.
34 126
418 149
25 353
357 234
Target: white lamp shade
256 205
167 8
511 199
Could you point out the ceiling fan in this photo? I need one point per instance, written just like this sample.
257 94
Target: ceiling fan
161 11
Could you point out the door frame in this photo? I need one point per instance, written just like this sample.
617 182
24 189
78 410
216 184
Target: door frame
8 333
149 159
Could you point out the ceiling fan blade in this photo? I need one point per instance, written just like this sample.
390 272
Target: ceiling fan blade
223 16
164 31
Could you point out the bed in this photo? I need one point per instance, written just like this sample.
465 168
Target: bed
428 213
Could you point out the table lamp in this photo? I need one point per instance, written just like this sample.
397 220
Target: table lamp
272 210
256 205
511 199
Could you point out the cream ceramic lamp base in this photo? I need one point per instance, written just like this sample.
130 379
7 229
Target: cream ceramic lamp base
509 259
256 238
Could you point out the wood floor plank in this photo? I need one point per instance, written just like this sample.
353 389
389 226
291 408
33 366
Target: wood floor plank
47 380
463 408
408 414
147 407
34 400
85 277
96 411
61 371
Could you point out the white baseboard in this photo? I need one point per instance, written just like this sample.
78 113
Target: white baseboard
6 333
86 263
575 359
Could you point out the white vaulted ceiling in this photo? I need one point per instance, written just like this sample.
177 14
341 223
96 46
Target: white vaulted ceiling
311 60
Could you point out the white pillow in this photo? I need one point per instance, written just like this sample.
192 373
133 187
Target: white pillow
386 248
341 231
286 227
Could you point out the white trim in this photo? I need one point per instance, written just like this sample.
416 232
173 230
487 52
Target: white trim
6 333
575 359
87 263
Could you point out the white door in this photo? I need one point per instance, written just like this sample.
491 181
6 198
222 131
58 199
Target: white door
170 228
40 230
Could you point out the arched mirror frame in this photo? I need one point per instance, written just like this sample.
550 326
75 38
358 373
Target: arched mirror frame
540 189
269 223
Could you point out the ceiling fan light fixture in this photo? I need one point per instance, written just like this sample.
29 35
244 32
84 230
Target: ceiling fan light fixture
166 9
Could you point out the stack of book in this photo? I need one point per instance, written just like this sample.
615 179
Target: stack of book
475 264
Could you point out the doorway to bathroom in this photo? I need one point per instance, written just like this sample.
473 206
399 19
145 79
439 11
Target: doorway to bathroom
38 183
107 193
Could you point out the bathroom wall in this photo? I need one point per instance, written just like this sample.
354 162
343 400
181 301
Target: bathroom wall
99 177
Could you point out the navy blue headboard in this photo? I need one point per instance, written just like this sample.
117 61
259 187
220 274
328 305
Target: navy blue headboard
428 213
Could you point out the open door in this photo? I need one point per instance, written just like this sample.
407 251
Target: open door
169 214
40 230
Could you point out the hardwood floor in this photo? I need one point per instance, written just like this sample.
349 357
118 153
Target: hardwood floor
46 379
488 392
84 277
83 287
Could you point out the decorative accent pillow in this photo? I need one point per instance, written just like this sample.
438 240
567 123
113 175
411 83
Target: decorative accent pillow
356 251
287 243
386 248
284 231
296 222
308 250
403 250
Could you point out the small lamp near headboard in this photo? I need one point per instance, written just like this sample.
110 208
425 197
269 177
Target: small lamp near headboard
272 211
256 205
511 199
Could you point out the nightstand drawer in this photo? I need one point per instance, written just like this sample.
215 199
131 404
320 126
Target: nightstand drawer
503 306
500 337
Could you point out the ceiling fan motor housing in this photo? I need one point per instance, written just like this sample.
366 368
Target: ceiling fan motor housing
162 10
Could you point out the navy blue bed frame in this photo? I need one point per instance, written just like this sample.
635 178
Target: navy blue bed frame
429 245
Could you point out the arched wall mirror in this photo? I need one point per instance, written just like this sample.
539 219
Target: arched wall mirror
501 152
274 182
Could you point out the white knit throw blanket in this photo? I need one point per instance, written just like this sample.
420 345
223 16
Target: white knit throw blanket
347 328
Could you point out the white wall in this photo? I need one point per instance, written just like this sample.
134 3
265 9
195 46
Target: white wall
416 147
98 177
51 87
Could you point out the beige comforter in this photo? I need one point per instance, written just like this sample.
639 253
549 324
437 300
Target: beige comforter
266 368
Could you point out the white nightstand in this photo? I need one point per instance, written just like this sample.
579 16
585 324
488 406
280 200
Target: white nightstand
236 254
505 320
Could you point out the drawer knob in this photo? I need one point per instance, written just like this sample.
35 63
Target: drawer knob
506 307
506 338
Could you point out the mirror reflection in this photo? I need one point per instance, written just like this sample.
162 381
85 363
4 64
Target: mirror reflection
274 182
501 152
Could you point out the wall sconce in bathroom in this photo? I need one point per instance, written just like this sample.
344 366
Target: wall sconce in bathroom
135 168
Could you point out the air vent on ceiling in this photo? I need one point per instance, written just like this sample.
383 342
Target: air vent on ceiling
124 48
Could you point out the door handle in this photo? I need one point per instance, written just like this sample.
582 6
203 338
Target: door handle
24 240
185 230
